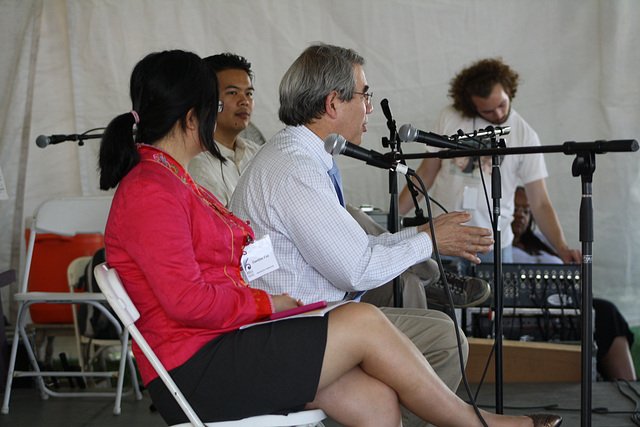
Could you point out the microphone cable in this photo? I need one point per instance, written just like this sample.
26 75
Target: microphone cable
450 298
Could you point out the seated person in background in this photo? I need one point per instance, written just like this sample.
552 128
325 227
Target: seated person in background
612 334
177 250
236 92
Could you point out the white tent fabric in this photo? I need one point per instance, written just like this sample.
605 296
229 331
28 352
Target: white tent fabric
65 67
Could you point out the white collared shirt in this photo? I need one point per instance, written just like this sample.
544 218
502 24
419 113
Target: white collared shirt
285 192
221 179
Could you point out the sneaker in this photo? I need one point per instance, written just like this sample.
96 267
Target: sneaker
465 291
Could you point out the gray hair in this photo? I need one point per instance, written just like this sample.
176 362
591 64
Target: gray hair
320 69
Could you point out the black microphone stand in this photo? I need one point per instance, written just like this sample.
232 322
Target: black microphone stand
393 218
81 137
583 165
498 284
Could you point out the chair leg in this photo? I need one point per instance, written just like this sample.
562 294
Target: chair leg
22 311
134 377
121 368
12 365
21 334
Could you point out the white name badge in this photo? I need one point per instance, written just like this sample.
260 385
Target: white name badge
258 258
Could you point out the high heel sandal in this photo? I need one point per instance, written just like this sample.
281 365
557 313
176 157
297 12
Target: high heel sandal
545 420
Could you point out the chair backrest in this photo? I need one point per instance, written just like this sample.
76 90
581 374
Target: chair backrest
66 216
117 297
76 269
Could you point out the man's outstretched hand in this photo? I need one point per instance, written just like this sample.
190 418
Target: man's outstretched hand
458 240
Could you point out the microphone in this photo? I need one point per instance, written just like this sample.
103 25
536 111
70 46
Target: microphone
386 110
391 124
336 144
408 133
487 132
42 141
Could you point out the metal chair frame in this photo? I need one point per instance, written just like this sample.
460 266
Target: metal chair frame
89 349
66 216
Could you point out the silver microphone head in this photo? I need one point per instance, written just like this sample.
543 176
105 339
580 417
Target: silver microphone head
335 144
42 141
408 133
503 130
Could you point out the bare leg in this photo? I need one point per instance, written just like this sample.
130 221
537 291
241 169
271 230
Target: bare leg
618 363
360 335
357 399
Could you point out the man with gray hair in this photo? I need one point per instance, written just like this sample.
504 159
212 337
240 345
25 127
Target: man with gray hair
291 191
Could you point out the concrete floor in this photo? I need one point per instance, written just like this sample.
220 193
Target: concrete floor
27 409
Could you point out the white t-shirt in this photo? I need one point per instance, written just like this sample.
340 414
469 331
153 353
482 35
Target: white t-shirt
458 186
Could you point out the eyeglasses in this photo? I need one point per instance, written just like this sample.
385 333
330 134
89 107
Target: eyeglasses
220 106
524 211
368 97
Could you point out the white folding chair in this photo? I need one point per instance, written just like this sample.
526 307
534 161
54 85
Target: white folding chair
112 288
67 217
75 271
90 349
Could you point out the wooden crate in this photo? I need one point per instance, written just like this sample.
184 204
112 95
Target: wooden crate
525 362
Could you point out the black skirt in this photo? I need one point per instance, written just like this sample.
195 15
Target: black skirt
267 369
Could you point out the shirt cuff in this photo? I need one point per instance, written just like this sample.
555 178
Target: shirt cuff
264 303
424 244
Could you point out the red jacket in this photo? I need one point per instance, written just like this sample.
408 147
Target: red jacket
177 251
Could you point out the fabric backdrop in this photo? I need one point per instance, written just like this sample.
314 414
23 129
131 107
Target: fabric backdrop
65 67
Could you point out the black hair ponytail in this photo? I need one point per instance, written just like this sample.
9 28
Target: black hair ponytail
118 152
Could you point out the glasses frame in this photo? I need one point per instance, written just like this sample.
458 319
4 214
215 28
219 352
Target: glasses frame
368 97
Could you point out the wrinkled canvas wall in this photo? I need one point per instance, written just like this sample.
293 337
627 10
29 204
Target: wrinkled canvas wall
65 66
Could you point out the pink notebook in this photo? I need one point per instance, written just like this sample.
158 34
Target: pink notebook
316 309
298 310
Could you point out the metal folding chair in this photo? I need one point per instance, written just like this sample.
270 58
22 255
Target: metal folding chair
67 217
91 351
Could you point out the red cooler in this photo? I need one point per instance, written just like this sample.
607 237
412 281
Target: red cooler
52 254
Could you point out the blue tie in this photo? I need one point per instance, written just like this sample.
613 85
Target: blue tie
334 174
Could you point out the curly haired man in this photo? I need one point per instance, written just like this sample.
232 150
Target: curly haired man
482 95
